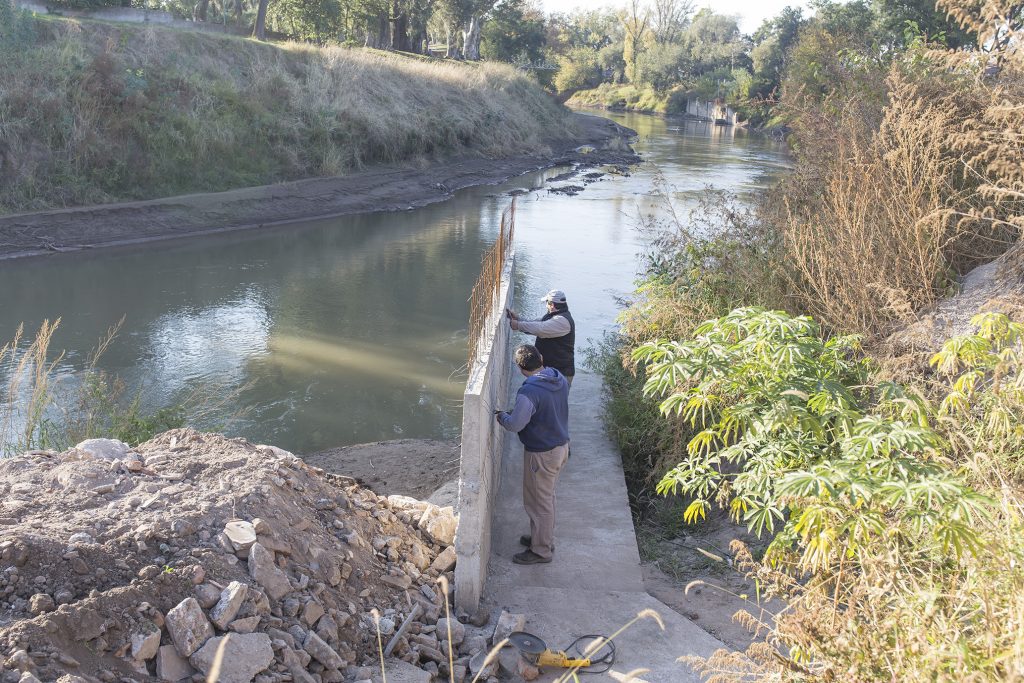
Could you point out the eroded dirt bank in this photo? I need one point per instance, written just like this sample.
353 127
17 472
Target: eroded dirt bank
121 564
390 188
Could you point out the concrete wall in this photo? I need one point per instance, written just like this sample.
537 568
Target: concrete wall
483 442
709 111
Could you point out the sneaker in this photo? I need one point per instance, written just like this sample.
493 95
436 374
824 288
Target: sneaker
529 557
528 541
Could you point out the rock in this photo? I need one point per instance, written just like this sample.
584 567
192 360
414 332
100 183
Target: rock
260 526
146 644
507 624
386 626
241 533
19 660
458 631
40 603
81 538
267 574
322 652
188 627
419 556
402 672
28 677
312 612
170 666
528 671
444 561
459 673
246 625
401 581
105 449
241 657
440 524
207 595
481 667
231 599
473 644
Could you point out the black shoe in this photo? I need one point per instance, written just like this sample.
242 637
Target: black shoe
528 541
529 557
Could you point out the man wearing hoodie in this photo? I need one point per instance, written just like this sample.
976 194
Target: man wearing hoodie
541 418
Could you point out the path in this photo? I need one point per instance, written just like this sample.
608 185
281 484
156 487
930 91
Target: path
594 584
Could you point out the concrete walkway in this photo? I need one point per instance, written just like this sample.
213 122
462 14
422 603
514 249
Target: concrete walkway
594 585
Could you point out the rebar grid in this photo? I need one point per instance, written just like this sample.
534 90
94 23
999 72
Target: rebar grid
488 285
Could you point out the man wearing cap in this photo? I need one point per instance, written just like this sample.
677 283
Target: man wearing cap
555 332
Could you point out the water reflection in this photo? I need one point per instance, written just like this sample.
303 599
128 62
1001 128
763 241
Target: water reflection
353 329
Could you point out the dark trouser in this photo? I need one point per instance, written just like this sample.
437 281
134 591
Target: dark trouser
540 475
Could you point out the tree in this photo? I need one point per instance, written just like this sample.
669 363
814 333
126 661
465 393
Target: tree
772 42
260 28
635 21
715 42
670 19
470 15
899 16
515 31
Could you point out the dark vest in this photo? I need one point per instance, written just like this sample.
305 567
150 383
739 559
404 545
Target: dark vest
559 352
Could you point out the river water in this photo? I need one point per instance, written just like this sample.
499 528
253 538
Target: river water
353 329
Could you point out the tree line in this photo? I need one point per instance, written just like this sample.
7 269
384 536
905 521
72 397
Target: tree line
664 47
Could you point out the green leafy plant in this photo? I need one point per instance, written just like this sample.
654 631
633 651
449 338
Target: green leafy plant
790 437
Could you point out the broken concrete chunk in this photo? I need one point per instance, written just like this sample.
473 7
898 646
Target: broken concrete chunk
231 599
401 581
241 533
440 524
312 612
105 449
322 652
188 627
444 561
207 595
172 667
246 625
403 672
240 657
507 624
458 631
146 643
267 574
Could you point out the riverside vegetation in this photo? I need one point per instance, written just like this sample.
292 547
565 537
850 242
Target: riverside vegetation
786 370
93 112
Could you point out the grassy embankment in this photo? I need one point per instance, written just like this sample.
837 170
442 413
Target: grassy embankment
629 97
93 112
878 455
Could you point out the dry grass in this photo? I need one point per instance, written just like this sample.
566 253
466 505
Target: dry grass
94 113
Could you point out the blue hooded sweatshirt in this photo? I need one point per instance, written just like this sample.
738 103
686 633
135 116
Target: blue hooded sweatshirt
541 413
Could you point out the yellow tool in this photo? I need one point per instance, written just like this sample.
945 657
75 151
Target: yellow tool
537 653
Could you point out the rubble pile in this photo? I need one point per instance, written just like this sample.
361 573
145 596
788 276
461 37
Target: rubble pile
196 557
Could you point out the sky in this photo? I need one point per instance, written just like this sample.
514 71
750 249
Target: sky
752 12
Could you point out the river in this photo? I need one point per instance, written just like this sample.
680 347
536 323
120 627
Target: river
352 329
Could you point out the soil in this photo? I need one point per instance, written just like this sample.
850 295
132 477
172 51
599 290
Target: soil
101 555
704 587
407 467
598 142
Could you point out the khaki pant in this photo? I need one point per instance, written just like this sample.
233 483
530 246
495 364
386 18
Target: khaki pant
540 474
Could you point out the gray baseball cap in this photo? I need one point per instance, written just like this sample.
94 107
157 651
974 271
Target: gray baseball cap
556 296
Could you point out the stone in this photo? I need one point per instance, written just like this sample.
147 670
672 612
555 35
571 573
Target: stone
402 672
240 655
28 677
526 670
444 561
241 533
260 526
170 666
231 599
458 631
507 624
146 643
322 652
207 595
81 538
246 625
419 556
40 603
401 581
312 612
105 449
188 627
386 626
473 644
267 574
440 524
459 673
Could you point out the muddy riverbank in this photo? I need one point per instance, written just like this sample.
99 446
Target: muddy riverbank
384 188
